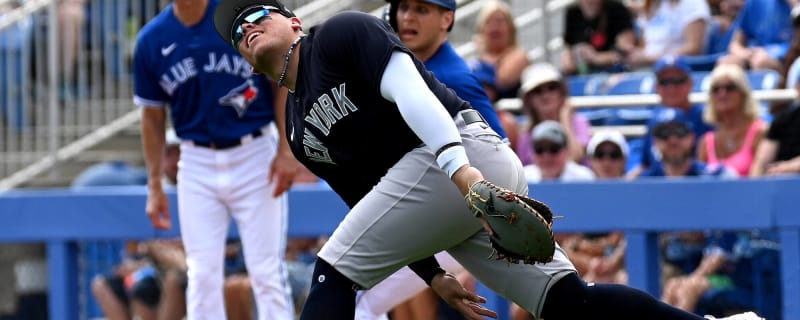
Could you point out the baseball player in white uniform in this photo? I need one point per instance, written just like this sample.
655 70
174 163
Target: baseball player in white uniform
231 165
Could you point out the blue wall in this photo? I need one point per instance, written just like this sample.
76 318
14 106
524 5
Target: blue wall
641 209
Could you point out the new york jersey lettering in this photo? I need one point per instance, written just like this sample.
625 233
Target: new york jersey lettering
315 150
323 115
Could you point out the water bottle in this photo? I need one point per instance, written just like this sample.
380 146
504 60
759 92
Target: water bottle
581 65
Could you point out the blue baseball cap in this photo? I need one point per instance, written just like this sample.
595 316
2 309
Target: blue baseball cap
672 62
447 4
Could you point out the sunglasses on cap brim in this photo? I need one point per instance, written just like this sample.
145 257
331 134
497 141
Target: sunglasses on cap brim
252 15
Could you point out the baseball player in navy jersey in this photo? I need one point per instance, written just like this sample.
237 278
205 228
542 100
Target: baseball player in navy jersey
423 26
401 150
231 165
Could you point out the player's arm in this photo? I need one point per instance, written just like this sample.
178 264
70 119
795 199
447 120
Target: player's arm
284 167
153 135
428 118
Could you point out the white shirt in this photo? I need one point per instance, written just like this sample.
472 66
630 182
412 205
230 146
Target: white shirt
573 172
664 31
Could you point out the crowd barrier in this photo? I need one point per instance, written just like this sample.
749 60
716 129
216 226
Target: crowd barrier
61 218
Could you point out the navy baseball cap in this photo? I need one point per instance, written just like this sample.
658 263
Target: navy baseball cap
447 4
228 11
672 62
670 121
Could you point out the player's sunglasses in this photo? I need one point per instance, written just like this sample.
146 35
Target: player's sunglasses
666 81
728 87
551 149
609 154
666 132
252 15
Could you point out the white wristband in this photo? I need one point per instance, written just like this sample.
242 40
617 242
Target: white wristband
451 159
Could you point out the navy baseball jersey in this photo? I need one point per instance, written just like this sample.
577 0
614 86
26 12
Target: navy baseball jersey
338 124
211 90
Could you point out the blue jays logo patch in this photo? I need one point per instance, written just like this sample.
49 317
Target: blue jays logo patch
240 97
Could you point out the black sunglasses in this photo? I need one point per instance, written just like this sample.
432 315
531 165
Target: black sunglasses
672 81
252 15
613 154
547 87
728 87
552 149
667 132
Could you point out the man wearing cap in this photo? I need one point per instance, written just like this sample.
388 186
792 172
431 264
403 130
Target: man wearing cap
423 26
673 85
233 164
553 161
674 139
545 97
608 151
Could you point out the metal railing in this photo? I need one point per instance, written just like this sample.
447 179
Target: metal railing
627 100
65 74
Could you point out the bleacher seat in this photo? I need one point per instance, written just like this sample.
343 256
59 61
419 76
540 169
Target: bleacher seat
597 117
585 85
763 79
630 116
630 83
700 81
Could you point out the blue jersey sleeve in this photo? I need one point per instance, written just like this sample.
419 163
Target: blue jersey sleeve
146 88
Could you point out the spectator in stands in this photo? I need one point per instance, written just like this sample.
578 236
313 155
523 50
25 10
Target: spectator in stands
608 152
544 97
779 153
721 283
669 27
597 34
763 34
508 120
71 17
551 145
723 25
498 48
673 85
674 140
735 114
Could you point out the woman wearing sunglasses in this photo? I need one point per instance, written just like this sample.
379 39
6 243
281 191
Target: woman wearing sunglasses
544 97
734 112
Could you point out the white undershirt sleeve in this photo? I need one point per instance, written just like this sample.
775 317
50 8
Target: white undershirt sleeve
423 112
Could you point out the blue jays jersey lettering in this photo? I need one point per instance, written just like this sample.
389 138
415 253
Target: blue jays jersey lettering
337 120
211 90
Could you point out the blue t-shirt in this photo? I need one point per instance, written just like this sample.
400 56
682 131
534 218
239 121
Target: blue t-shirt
450 69
767 23
698 169
211 90
694 115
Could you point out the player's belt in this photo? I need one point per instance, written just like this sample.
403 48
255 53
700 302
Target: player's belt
230 144
471 116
